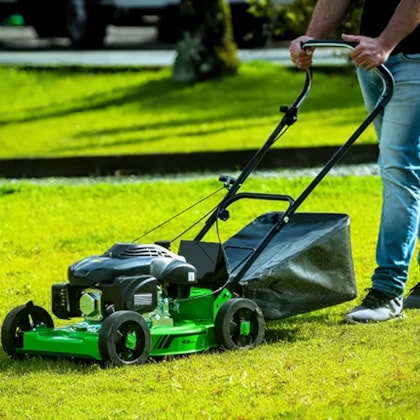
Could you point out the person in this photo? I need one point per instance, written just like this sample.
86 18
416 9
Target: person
389 35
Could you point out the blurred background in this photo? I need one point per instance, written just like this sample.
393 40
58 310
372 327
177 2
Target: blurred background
97 24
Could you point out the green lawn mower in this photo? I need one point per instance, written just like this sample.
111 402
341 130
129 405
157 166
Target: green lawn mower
137 301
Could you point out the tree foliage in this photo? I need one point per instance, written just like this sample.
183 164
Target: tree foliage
206 49
289 21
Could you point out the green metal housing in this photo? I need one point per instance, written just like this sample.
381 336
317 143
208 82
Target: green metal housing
188 328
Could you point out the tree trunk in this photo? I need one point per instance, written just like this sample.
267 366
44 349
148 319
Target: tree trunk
206 49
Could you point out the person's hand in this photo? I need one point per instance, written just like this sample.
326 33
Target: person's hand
369 52
301 57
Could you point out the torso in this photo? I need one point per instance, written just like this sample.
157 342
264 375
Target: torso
377 14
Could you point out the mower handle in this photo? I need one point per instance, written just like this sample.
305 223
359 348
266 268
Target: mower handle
233 185
387 90
384 74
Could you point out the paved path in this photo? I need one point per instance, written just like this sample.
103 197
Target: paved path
158 58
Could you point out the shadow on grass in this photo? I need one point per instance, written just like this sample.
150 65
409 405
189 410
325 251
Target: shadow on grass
229 98
143 133
132 137
289 330
296 328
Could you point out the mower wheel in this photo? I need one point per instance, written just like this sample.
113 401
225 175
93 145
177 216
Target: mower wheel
124 339
86 24
239 325
20 319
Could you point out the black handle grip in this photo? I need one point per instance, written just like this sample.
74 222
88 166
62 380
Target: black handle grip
381 70
328 43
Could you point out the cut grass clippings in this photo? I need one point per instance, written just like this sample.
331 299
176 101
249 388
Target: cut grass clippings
84 111
310 366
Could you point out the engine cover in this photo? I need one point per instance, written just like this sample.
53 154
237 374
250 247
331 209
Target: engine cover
122 259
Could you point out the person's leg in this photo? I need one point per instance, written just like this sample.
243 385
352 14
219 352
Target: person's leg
412 300
399 162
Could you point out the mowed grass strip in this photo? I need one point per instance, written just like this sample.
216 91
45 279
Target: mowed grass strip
310 366
85 111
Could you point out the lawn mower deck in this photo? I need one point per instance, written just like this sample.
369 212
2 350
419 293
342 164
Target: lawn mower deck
125 337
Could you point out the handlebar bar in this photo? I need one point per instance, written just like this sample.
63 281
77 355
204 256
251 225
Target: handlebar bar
384 74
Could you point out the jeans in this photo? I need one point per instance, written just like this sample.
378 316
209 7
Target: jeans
398 131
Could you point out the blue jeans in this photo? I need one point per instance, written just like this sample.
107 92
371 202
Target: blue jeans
398 131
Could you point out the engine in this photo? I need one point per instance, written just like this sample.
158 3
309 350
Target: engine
127 276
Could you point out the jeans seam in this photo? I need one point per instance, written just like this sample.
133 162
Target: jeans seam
411 58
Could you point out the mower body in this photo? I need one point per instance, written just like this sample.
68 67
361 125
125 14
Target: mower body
132 302
182 326
141 300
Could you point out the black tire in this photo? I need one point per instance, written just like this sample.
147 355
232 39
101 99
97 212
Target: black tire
114 333
85 24
20 319
169 27
233 315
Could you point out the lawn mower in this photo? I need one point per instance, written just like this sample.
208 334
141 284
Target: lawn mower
136 300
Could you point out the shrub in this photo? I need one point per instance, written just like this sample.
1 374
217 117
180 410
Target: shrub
289 21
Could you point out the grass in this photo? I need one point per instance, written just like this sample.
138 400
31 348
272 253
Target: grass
310 366
80 111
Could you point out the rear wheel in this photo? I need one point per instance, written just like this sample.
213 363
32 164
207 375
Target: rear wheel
124 339
85 23
239 324
20 319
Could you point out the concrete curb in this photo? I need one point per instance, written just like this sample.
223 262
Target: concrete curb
169 163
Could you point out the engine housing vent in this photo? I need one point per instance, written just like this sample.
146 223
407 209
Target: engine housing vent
131 250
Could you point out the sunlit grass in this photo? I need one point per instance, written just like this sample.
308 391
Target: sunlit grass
311 366
49 112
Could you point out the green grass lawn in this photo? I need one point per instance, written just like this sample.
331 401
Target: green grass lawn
81 111
311 366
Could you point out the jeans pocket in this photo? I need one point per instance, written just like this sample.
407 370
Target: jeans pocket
415 57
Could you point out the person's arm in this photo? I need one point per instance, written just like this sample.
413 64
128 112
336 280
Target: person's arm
326 17
371 52
405 19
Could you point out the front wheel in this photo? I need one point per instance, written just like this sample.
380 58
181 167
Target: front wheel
124 339
20 319
239 324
